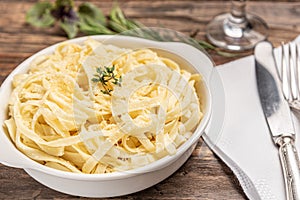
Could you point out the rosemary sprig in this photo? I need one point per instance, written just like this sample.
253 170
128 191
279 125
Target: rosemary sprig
124 26
106 76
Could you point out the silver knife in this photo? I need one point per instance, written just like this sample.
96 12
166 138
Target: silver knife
278 117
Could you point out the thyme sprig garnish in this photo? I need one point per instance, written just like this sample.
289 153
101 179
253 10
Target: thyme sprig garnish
106 76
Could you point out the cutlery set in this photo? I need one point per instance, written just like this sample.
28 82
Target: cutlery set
278 89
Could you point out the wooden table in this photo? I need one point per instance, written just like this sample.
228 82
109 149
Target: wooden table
203 176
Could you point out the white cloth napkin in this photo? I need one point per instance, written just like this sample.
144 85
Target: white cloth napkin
244 143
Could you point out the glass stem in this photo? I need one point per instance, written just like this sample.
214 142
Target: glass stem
237 22
238 11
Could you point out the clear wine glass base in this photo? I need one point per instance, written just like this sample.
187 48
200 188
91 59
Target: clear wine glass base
235 37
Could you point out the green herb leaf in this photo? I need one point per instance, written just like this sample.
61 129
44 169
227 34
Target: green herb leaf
99 70
119 23
71 28
206 45
40 15
89 26
117 27
64 3
131 24
117 15
92 20
226 54
64 11
91 11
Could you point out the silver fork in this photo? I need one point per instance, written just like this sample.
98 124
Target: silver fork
289 74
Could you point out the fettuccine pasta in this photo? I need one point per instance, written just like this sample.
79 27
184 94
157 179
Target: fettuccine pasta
60 118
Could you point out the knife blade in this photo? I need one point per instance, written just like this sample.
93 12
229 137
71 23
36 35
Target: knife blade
278 116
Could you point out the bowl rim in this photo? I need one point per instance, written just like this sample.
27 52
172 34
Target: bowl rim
156 165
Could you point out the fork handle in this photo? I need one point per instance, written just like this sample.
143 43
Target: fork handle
290 166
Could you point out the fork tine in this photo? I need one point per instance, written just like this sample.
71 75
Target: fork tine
297 70
285 75
293 72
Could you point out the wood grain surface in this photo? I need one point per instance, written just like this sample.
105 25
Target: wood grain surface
203 176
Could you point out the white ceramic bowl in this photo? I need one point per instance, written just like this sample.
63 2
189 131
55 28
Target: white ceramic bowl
117 183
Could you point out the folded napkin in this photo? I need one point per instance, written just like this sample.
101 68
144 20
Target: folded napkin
244 142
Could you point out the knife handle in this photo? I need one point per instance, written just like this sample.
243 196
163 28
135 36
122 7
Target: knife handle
290 166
